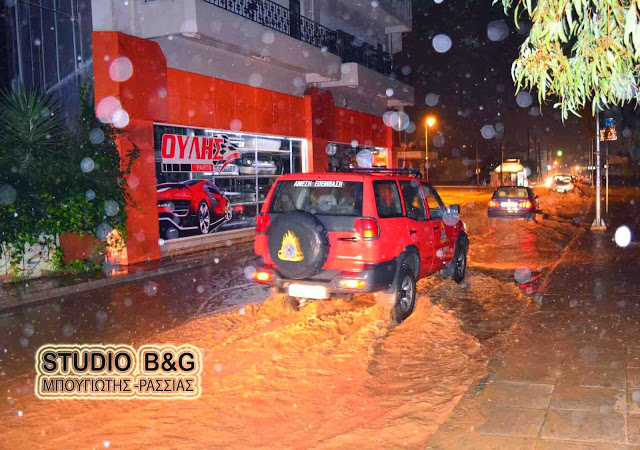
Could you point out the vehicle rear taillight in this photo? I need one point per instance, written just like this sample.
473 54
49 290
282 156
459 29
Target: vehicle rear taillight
526 204
351 283
262 223
262 276
367 228
493 203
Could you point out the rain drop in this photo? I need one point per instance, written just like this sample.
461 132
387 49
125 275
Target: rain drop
96 136
111 208
524 99
7 195
150 288
432 99
623 236
488 132
87 164
441 43
120 69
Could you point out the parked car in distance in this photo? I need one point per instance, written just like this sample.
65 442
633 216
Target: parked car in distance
512 202
562 184
191 205
323 235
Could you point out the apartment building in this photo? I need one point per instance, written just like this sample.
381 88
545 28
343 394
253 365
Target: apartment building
281 86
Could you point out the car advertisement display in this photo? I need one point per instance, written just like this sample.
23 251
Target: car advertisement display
210 181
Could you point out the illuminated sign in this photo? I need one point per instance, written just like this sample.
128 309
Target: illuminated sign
201 153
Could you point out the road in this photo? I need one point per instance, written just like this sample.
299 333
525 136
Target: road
336 374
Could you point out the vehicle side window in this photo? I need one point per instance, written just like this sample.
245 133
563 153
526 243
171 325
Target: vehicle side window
435 205
413 200
387 199
212 188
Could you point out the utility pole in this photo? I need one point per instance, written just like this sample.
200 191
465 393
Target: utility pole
477 164
606 171
598 223
501 162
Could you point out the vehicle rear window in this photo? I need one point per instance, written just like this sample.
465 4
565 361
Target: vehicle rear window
387 199
323 197
511 193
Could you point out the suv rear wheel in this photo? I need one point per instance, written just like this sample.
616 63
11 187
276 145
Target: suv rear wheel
405 294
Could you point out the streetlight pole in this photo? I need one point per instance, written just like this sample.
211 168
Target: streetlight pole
426 149
598 223
429 121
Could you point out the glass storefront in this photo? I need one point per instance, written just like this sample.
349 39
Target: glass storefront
223 195
345 156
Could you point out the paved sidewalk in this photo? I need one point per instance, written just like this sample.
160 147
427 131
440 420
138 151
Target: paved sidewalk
571 379
45 288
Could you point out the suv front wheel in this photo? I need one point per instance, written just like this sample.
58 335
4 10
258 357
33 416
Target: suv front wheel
405 294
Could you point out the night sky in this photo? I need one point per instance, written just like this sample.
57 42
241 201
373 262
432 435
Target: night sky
474 84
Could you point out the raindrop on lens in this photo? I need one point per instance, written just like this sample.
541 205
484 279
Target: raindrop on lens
268 37
432 99
90 195
28 330
67 330
121 69
87 165
441 43
255 79
103 231
249 271
523 275
150 288
111 208
389 92
199 289
218 367
497 31
7 195
96 136
172 233
622 236
488 132
524 99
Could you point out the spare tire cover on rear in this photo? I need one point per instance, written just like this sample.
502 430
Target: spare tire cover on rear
298 244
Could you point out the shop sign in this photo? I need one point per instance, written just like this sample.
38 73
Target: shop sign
609 132
202 153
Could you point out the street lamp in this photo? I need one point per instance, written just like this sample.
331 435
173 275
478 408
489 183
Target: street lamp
429 121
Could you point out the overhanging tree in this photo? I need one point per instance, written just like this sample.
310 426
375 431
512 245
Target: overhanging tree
579 52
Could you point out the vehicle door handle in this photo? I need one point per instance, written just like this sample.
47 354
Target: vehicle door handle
413 231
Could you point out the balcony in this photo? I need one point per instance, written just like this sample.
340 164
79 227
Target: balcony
291 23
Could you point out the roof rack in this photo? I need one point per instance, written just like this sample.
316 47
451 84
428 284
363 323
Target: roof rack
384 171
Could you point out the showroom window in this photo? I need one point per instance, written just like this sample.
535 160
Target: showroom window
227 187
347 156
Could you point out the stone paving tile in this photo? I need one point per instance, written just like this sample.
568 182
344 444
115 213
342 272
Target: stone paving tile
592 376
633 401
546 444
505 421
588 399
526 371
633 426
633 378
584 426
517 395
633 353
594 355
474 441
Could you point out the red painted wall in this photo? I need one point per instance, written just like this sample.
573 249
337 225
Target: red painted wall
155 93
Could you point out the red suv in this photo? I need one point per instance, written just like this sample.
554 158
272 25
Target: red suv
323 235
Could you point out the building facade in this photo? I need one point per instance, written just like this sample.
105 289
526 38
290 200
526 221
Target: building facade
281 86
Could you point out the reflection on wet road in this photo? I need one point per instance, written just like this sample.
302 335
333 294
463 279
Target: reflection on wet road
126 313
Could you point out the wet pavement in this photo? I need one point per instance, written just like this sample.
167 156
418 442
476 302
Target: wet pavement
127 313
571 378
